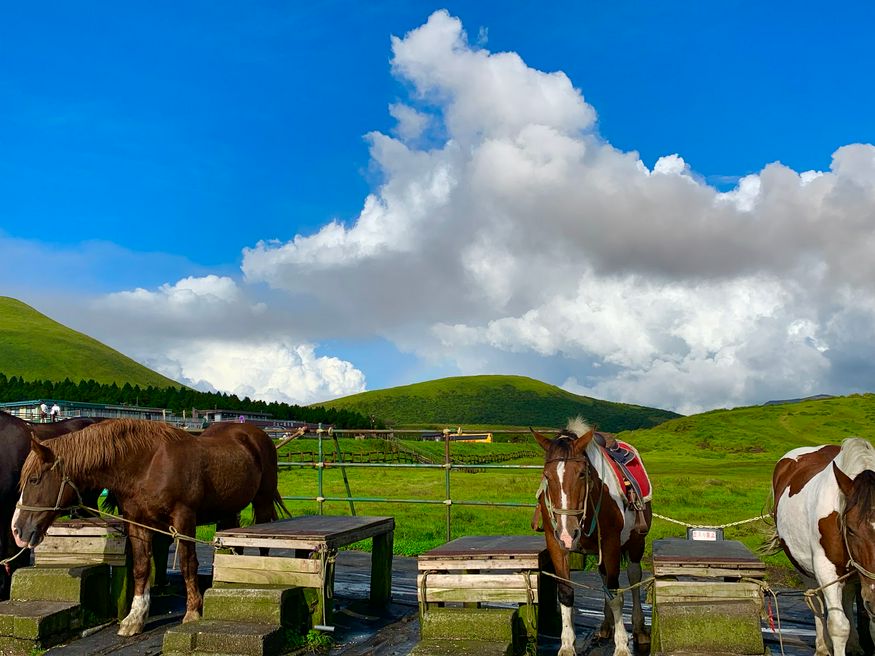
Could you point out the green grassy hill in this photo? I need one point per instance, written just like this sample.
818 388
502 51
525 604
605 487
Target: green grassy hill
32 346
495 400
766 431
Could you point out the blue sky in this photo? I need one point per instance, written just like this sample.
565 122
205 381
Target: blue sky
142 147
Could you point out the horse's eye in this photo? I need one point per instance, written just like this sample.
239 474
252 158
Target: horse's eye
34 480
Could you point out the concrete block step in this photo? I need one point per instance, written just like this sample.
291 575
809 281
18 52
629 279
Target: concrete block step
284 607
219 637
26 626
462 648
495 625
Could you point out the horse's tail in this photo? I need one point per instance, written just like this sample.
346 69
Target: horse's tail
279 506
772 544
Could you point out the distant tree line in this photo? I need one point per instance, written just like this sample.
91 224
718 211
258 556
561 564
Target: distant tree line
175 399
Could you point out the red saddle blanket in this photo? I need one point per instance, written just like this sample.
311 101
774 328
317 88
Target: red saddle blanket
632 471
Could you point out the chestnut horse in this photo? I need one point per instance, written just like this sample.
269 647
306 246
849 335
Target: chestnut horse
585 510
825 522
161 477
14 447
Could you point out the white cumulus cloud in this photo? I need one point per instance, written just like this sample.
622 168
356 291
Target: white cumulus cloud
522 233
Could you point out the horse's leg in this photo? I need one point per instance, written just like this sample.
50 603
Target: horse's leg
186 525
566 597
606 630
228 522
141 555
611 557
837 624
821 644
263 510
849 596
639 631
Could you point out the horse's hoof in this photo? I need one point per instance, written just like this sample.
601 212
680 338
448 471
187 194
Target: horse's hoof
567 651
191 616
641 639
129 629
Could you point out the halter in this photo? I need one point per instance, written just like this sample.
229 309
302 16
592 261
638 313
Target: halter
552 511
851 562
65 480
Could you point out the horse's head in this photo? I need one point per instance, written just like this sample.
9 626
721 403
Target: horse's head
858 528
567 479
45 491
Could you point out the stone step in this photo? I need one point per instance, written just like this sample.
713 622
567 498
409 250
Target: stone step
284 607
87 585
494 625
27 626
462 648
219 637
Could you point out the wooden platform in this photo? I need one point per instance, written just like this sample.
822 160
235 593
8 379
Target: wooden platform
454 571
721 558
314 541
83 542
713 584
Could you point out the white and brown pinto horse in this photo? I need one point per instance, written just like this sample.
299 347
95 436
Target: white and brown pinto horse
825 521
585 509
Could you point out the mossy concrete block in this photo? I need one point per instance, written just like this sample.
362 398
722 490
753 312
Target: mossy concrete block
278 606
221 637
487 624
707 617
83 584
461 648
26 626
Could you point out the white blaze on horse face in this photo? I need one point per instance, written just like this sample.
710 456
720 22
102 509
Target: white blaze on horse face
19 539
564 533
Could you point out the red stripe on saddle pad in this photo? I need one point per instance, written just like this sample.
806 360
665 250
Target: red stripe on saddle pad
634 467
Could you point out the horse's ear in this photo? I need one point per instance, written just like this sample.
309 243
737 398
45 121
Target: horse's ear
583 441
846 483
543 440
43 452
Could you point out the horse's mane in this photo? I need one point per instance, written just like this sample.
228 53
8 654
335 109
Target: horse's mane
856 455
101 445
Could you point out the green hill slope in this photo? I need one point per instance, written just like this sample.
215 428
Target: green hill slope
32 346
495 400
766 431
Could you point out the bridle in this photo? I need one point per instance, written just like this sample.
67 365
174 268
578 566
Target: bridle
851 561
552 511
65 480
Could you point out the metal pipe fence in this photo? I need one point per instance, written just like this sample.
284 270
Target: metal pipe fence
321 465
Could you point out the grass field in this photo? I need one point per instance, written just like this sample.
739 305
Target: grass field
687 487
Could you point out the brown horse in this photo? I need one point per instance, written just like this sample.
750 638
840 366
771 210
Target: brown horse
585 509
825 521
161 477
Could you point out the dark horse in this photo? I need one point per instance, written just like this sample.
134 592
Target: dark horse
161 477
586 510
14 447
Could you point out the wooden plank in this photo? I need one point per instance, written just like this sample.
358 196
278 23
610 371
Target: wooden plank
80 559
708 571
264 570
479 587
328 528
488 545
269 563
512 563
302 544
684 592
103 544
